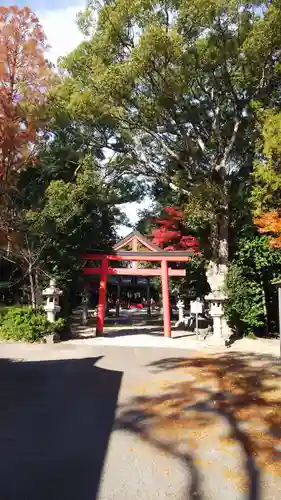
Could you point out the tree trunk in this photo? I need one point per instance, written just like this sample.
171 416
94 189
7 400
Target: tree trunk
223 251
214 236
223 224
220 236
32 287
38 290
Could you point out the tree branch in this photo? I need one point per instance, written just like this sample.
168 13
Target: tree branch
230 145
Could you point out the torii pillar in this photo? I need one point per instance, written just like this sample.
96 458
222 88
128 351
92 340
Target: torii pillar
102 297
166 298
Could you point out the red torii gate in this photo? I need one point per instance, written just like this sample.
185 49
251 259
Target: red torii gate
141 250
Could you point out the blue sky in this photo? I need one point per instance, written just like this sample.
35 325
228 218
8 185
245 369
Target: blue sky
58 18
43 4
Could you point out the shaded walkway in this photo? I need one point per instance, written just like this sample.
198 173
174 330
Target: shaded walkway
55 422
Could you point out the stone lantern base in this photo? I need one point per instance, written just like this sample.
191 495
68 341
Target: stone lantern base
53 338
219 323
51 311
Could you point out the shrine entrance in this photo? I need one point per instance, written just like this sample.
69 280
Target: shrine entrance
136 249
131 292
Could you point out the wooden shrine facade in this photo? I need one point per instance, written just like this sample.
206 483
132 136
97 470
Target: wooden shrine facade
136 248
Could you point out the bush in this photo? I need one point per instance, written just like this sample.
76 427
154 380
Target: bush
252 304
26 324
244 309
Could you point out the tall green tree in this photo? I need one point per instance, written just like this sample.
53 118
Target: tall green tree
66 205
178 80
57 224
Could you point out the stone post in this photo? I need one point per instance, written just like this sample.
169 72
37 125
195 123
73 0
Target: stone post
148 298
117 308
180 306
117 304
85 308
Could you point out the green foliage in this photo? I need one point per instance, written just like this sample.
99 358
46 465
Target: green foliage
146 216
63 211
67 203
251 336
255 252
202 204
86 19
75 217
249 285
266 187
26 324
244 308
266 177
271 132
181 82
194 284
163 95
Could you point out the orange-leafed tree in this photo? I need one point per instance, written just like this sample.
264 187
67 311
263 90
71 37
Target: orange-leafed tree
25 76
270 222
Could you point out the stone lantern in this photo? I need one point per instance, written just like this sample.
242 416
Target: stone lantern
216 276
52 307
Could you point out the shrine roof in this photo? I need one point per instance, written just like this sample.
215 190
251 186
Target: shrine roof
128 248
140 238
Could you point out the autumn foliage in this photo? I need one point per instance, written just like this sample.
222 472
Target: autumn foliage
169 234
25 75
270 222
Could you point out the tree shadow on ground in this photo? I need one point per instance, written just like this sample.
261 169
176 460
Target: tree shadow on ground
138 320
133 331
55 421
110 333
240 392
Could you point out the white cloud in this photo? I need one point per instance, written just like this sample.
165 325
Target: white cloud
61 30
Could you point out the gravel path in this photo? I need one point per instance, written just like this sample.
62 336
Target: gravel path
106 422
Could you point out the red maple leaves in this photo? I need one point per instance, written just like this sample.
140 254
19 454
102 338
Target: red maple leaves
169 235
25 75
